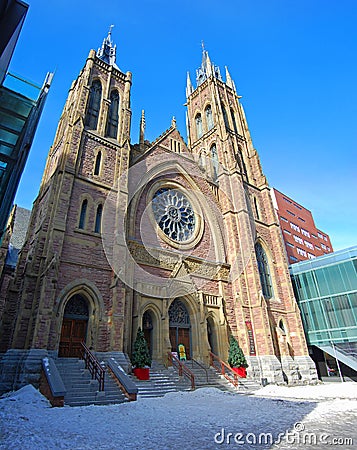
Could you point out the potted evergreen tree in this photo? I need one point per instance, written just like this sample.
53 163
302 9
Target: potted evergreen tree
236 358
141 358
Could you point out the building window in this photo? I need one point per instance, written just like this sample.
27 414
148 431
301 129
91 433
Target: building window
289 212
98 161
234 121
311 256
199 130
256 208
264 272
287 232
283 218
309 245
290 245
298 239
300 218
209 118
113 115
240 161
301 251
287 200
98 219
93 108
294 227
305 232
83 215
214 157
293 259
225 117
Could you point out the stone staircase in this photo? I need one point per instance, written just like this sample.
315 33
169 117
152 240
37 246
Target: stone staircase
162 381
209 377
81 389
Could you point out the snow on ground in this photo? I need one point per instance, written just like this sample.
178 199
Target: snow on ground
201 419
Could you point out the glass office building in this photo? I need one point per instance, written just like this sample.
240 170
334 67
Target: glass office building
326 291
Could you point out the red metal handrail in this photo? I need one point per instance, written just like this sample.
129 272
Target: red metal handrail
182 369
93 365
223 367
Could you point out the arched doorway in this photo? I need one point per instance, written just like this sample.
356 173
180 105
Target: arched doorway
148 330
74 327
212 335
180 327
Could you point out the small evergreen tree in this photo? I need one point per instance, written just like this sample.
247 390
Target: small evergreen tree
236 356
141 356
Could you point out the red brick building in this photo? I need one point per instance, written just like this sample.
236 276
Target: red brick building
301 237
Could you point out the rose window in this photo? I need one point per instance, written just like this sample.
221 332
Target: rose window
174 214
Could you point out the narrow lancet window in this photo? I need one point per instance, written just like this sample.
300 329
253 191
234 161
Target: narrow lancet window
199 130
209 118
98 219
264 272
82 217
214 157
98 161
93 106
113 115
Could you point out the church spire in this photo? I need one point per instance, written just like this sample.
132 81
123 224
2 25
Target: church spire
229 81
189 87
142 129
207 68
107 52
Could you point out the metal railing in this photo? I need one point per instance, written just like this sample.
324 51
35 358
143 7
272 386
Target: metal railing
193 361
93 365
182 369
224 369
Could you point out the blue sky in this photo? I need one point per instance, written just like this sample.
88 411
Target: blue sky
293 62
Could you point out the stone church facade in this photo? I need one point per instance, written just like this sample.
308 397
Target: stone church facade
178 238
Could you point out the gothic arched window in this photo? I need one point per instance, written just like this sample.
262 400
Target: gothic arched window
209 118
113 115
93 106
83 215
98 161
214 157
256 208
98 219
225 117
199 130
234 121
264 272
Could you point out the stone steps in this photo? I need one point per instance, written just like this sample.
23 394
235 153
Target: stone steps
211 378
81 389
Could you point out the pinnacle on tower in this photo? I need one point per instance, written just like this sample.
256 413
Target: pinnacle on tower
189 87
229 81
142 128
207 68
107 52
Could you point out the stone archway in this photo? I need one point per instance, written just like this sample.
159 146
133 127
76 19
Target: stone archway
148 329
179 327
74 327
212 336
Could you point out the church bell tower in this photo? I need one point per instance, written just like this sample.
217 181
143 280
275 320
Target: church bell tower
261 309
64 290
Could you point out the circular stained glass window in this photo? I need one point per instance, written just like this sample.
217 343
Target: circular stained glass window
174 214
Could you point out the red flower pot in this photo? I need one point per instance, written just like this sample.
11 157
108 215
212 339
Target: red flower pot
142 373
240 371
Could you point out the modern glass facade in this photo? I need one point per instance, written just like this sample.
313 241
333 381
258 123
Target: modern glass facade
326 291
